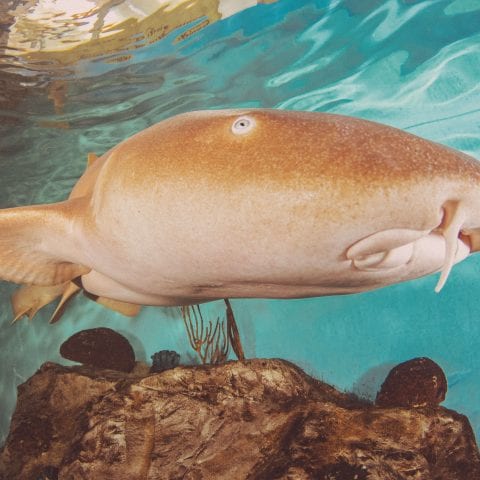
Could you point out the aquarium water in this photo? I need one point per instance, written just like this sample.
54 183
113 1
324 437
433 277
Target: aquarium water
411 64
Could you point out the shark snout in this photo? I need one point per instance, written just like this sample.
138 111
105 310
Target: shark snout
411 253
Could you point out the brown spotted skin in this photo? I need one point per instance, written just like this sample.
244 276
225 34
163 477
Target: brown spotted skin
287 149
188 210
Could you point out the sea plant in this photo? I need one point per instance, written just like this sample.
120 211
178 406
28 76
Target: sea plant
211 341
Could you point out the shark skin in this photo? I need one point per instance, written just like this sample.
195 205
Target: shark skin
251 203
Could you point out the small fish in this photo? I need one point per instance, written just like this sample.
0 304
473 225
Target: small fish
247 203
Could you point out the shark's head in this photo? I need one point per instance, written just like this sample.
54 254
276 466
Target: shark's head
385 206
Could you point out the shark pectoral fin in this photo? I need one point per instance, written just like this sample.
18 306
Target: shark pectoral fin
384 250
29 299
37 245
70 290
127 309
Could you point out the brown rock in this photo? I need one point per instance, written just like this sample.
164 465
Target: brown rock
257 420
416 383
100 348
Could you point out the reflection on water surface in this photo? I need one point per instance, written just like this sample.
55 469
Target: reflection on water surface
39 40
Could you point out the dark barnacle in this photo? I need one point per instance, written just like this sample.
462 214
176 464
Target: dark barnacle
416 383
164 360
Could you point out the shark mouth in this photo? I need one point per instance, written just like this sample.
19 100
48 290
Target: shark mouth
390 249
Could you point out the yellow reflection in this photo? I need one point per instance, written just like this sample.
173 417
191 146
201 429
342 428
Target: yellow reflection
66 31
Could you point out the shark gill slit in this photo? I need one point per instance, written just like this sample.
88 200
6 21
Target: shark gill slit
453 220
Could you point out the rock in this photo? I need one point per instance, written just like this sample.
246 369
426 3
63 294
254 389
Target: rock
259 419
416 383
100 348
164 360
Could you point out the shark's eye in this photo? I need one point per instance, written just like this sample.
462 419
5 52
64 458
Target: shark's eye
243 125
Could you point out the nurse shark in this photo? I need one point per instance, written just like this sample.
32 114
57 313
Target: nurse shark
246 203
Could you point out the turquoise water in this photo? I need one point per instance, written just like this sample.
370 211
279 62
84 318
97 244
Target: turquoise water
411 64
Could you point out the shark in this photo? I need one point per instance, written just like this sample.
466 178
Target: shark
246 203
